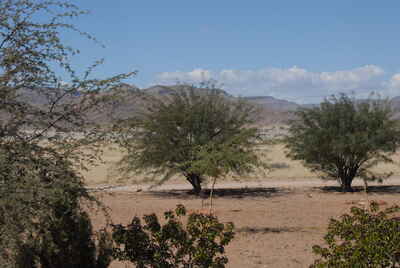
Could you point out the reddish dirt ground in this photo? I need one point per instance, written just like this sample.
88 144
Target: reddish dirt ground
275 227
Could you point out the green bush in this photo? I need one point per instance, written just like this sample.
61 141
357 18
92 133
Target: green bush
201 243
42 220
363 238
69 241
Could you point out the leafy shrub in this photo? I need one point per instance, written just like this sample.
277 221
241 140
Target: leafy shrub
362 239
201 243
69 241
42 220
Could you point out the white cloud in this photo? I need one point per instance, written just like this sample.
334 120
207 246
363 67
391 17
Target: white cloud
394 82
195 76
293 83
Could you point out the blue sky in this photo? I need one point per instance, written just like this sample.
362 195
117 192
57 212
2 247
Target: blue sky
298 50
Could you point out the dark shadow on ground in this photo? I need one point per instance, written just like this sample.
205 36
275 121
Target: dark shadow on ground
265 230
376 189
238 193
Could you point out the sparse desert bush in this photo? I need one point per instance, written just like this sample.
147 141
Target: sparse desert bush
279 165
343 138
198 243
363 238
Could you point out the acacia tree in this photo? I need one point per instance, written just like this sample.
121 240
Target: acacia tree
46 117
344 138
195 132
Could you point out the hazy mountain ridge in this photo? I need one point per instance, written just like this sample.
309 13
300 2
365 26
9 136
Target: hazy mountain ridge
273 103
134 100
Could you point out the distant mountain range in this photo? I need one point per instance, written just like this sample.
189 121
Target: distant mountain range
273 110
273 103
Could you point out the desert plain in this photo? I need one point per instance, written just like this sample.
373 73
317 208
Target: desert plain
278 215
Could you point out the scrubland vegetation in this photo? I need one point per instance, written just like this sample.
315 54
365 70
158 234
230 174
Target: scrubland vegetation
48 215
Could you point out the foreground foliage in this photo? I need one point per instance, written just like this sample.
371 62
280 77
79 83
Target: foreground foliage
362 239
46 119
195 132
42 221
343 138
201 243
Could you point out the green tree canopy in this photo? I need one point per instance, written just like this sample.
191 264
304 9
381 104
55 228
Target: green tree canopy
195 132
343 138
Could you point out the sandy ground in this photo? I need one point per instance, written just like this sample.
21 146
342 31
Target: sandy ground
275 226
278 215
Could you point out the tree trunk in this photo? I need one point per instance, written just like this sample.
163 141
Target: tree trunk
346 184
195 181
211 195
